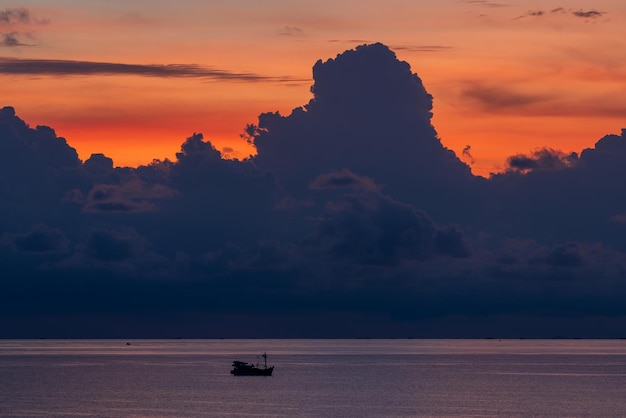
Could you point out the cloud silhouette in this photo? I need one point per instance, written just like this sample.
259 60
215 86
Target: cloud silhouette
541 159
368 109
351 217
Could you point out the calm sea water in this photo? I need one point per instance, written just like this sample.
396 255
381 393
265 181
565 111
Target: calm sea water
313 378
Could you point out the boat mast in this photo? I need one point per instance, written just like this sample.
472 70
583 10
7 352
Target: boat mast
265 358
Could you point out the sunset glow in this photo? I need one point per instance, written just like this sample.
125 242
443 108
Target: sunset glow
507 77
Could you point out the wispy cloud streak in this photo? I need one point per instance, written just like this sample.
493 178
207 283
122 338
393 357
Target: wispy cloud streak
588 14
585 14
486 3
422 48
51 67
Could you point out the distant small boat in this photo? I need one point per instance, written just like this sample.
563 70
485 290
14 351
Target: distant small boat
241 368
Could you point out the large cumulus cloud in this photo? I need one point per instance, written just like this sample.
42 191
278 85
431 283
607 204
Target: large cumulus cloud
369 114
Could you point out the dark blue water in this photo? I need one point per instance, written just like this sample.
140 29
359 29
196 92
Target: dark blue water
313 378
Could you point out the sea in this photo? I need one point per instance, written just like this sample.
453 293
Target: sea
313 378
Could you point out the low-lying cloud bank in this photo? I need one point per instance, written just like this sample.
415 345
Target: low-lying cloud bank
352 220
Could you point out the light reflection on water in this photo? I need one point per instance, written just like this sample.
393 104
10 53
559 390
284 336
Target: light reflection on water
313 378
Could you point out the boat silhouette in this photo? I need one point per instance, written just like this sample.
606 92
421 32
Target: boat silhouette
242 368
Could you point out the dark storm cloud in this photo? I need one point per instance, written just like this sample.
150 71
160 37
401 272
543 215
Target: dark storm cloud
352 218
50 67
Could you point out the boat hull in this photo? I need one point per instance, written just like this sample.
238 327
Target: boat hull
252 372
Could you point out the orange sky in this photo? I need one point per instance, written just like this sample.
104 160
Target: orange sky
507 77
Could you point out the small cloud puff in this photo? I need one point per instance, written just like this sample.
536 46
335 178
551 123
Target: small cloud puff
541 159
291 31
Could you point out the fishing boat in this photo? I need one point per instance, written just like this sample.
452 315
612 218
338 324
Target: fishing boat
242 368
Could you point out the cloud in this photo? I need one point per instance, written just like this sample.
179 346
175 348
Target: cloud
541 159
567 255
421 48
555 197
50 67
368 109
372 228
16 19
107 245
588 14
352 212
110 198
524 100
291 31
9 39
500 97
344 179
39 240
14 16
485 3
585 14
531 13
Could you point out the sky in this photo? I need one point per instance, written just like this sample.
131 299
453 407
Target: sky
356 215
133 79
